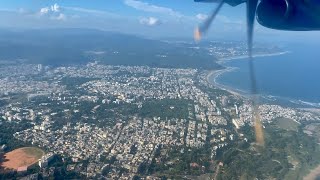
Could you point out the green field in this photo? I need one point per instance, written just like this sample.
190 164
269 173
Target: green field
287 124
166 108
33 151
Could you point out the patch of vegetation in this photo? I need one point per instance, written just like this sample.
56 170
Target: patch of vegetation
166 108
287 124
102 116
249 161
33 151
313 129
185 161
73 82
7 129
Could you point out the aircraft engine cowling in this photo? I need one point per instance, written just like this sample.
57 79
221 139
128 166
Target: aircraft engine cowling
290 15
273 13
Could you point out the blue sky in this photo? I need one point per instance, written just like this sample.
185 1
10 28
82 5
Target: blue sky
151 18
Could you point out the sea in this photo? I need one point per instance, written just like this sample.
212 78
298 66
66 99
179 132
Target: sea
292 78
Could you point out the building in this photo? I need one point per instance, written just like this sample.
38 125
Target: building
3 147
22 169
39 67
236 123
44 161
237 111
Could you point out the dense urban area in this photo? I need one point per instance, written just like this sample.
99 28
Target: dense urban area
96 120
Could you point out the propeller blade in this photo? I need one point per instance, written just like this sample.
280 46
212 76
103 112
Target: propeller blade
251 13
205 26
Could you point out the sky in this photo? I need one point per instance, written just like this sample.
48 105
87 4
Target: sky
149 18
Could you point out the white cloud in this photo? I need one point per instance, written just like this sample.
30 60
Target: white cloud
53 12
201 17
150 21
52 9
44 10
144 6
55 8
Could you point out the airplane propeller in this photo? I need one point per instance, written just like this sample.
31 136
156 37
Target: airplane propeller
251 13
207 23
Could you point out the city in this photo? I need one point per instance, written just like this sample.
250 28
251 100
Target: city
123 120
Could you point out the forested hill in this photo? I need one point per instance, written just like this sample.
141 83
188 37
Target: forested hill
73 46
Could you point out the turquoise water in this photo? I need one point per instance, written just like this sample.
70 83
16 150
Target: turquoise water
295 75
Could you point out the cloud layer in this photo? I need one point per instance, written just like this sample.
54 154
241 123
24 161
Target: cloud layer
168 21
143 6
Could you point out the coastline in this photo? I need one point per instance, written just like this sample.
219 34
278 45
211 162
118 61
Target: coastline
223 60
212 79
213 75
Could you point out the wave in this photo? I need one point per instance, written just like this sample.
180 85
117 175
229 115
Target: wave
301 102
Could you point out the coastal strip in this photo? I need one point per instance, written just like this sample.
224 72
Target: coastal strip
223 60
212 77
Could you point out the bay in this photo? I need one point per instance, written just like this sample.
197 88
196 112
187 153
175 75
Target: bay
294 75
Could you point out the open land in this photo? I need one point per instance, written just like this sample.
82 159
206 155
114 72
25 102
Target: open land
313 174
21 157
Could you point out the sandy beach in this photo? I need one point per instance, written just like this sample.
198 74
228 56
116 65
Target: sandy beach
212 79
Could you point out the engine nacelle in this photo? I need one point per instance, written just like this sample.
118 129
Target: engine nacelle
273 13
293 15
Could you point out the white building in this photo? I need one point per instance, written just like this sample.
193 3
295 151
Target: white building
44 161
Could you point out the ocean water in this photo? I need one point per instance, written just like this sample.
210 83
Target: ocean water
292 76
